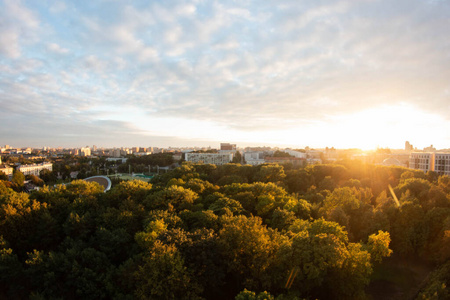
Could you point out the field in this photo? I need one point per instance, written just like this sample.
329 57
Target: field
129 177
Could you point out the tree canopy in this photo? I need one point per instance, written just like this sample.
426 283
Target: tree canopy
223 232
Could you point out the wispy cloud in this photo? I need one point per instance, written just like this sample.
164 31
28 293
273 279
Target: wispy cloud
244 66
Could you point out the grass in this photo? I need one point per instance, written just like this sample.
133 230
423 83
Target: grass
129 177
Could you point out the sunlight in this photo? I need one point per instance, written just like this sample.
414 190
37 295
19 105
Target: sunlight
384 126
388 125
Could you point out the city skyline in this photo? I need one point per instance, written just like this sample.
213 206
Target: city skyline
341 74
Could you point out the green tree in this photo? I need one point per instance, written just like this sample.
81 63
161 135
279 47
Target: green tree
224 204
200 251
436 285
270 173
249 249
48 176
249 295
18 178
11 272
35 180
237 158
173 197
320 262
3 176
163 275
378 246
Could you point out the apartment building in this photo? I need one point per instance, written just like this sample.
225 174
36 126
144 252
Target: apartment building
430 161
35 168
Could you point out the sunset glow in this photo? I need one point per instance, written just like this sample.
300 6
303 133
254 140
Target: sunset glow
329 73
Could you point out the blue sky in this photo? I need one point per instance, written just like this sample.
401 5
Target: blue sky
172 73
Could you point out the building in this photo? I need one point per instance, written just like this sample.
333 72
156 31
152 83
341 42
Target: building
429 149
210 158
421 161
294 153
408 146
391 161
430 161
442 163
228 146
85 151
254 158
35 168
6 169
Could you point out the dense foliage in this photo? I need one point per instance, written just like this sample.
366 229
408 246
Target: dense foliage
224 232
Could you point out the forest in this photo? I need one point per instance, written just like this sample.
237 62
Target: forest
326 231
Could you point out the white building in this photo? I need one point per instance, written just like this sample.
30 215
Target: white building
430 161
254 158
442 163
209 158
6 169
294 153
35 168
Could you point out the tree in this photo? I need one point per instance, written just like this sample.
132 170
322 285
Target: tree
11 271
325 264
378 246
18 178
163 275
270 173
173 197
436 285
3 176
237 157
47 175
278 153
35 180
224 204
137 190
248 248
249 295
298 181
200 251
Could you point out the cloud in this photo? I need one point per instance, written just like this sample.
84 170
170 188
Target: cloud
53 47
243 66
17 24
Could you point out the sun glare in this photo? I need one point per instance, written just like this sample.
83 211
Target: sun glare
384 126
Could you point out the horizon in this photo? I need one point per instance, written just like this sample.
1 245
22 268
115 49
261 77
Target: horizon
216 146
340 74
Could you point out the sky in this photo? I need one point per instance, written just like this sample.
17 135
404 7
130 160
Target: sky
319 73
